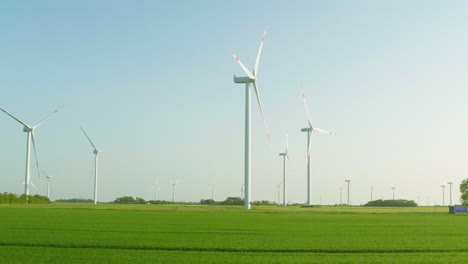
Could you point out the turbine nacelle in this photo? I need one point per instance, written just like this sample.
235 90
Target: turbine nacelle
283 154
307 129
243 79
96 151
27 129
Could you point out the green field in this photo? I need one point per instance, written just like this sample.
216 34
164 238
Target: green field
84 233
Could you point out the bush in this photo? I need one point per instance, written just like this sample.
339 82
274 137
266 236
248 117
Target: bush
392 203
11 198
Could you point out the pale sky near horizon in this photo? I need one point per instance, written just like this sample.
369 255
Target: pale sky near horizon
152 84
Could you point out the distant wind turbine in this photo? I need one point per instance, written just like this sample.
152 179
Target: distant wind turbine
174 183
156 190
348 181
284 154
96 152
212 187
278 187
450 183
30 130
443 194
48 183
250 79
310 131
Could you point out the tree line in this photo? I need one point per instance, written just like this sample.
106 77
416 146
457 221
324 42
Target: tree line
11 198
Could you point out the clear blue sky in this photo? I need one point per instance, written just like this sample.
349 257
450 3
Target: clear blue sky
151 82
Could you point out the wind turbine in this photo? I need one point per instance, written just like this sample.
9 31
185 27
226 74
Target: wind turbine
278 187
341 196
96 152
450 183
310 131
348 181
156 190
30 135
250 79
212 187
285 154
443 194
174 183
48 183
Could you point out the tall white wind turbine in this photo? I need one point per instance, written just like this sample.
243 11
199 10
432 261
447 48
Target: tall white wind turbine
251 78
310 131
284 154
30 135
48 183
96 152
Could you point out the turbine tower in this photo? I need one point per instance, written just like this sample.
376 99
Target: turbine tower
393 193
371 192
341 196
278 188
48 183
96 152
250 79
348 181
443 194
212 187
156 190
309 131
450 183
285 154
30 137
174 183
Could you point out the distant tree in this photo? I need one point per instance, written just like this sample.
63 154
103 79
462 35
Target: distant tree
11 198
263 202
207 201
392 203
233 201
464 192
139 200
125 200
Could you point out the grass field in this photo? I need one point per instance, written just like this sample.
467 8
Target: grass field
84 233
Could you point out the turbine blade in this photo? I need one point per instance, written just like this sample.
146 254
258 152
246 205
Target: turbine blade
21 122
261 112
33 185
255 72
243 67
306 108
89 139
47 117
323 131
45 173
35 154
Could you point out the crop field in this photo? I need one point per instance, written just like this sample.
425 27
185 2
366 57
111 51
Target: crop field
79 233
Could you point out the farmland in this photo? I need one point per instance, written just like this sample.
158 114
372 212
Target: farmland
79 233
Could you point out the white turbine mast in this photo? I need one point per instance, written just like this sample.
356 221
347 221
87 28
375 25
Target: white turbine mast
156 190
48 183
174 183
251 78
310 131
212 187
284 155
96 152
278 188
30 137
